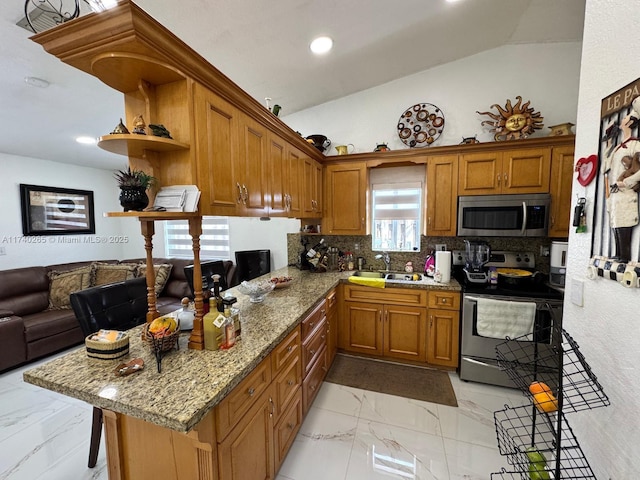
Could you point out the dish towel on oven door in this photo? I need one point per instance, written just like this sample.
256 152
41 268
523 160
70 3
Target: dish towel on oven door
500 318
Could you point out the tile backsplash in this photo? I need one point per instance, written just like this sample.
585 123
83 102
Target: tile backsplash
360 246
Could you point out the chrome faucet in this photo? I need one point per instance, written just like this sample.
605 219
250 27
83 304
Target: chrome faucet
387 260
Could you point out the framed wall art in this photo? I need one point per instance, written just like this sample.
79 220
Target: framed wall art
56 211
616 235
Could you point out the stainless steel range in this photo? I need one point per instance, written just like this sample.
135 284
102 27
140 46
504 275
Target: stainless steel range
532 301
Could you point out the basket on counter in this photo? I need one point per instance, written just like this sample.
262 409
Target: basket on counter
106 350
160 345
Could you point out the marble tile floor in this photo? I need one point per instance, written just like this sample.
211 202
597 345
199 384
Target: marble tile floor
349 434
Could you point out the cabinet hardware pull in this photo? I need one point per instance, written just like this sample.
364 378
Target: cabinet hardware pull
444 300
312 352
239 199
273 407
245 195
362 221
322 312
323 337
428 220
290 426
251 391
498 179
289 348
290 382
313 388
506 178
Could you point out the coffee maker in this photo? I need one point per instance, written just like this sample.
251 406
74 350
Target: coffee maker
477 255
558 263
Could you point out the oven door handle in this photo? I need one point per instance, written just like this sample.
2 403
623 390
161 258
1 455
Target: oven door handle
524 218
478 362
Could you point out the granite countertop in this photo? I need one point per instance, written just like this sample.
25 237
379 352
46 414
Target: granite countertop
194 381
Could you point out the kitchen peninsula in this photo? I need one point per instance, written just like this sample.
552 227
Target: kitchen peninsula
159 423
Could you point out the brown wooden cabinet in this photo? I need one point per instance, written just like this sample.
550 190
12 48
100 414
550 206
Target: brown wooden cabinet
278 173
345 199
258 421
403 324
390 323
312 189
332 324
561 181
314 353
247 453
295 192
489 172
442 195
444 328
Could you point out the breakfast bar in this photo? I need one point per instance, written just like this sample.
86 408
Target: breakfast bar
165 425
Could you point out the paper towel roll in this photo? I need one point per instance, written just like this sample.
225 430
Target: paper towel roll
443 265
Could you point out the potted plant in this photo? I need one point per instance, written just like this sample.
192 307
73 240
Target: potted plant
133 188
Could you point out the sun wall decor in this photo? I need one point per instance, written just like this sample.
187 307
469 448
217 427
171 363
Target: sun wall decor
513 121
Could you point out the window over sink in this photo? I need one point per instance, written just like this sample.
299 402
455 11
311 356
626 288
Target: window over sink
396 208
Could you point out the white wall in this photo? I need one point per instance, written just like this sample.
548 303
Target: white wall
545 74
253 234
607 326
114 238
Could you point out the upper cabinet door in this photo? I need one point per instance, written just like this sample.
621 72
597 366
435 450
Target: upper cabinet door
510 171
561 182
312 185
442 195
345 197
278 174
216 148
296 181
526 170
252 176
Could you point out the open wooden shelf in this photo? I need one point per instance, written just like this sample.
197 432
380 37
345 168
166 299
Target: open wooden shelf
134 145
123 71
154 215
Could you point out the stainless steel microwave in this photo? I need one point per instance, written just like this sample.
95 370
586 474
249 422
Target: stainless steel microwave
524 215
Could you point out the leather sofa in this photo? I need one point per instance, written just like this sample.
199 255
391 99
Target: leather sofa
31 329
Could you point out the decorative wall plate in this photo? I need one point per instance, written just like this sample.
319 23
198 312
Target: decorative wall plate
420 125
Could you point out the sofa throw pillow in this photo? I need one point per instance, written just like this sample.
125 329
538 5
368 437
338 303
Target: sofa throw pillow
162 272
105 273
63 284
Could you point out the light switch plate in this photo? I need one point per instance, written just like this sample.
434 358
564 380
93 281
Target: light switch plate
577 292
441 247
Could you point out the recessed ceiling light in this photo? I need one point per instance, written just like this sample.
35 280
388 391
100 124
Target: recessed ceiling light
321 45
36 82
86 140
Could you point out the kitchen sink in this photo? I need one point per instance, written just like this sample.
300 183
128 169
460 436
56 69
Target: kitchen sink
368 274
410 277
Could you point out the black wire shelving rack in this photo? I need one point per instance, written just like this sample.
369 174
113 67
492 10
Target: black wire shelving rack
553 358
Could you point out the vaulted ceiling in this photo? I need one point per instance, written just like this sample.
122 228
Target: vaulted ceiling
263 47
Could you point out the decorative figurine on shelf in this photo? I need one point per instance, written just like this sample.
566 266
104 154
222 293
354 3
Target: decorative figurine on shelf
120 128
561 129
381 147
513 121
469 140
158 130
139 126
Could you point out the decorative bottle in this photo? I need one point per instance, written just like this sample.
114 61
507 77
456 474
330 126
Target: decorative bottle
216 293
212 325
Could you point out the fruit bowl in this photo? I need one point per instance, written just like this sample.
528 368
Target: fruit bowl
281 282
256 291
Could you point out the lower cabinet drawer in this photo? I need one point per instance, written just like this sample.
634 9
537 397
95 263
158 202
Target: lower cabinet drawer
241 399
313 345
313 380
286 384
287 428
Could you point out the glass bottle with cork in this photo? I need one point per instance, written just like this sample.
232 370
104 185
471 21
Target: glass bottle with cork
229 331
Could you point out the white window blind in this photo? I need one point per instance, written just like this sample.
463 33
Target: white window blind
214 241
